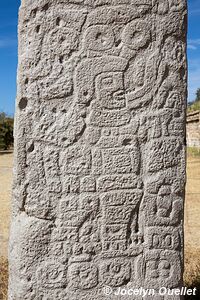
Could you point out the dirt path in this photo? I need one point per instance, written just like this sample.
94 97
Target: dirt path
6 160
192 204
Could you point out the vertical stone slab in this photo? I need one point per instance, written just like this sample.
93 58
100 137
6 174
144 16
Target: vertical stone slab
99 148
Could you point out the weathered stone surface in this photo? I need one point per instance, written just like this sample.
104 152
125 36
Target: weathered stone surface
99 148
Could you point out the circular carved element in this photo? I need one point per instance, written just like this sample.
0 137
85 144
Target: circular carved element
136 34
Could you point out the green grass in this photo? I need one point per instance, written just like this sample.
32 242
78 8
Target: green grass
193 151
195 106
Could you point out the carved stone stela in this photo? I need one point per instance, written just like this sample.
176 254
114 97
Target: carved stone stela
99 148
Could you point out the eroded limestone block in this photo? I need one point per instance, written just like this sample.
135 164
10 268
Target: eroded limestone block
99 148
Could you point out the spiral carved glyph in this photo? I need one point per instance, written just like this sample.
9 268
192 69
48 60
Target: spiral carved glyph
99 148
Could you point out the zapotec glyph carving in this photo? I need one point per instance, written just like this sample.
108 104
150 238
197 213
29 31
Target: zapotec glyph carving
99 148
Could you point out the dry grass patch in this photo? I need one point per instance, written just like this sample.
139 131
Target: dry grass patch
192 271
3 278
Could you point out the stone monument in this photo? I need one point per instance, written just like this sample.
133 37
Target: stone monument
99 170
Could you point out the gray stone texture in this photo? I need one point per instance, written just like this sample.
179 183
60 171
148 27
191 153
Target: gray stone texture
99 148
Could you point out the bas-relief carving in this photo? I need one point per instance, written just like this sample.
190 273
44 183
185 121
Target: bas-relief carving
99 163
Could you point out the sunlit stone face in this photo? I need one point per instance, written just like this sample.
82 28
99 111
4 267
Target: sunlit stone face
99 148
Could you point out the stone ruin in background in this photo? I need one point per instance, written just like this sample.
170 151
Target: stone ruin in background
99 148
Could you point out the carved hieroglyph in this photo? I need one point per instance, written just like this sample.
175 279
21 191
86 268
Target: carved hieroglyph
99 148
